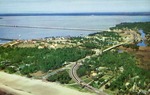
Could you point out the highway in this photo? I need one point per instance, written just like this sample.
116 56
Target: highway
74 76
51 73
82 83
113 47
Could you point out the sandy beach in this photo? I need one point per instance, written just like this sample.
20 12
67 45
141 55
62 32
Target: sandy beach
18 85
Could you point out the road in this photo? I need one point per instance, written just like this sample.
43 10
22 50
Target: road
50 73
74 76
113 47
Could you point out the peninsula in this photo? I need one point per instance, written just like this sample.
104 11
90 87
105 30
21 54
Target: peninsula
101 63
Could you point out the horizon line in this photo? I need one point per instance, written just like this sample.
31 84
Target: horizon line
76 14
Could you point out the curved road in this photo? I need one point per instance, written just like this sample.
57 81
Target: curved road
74 76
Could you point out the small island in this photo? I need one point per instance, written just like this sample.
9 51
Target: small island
108 62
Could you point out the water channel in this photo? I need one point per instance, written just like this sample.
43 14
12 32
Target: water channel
142 43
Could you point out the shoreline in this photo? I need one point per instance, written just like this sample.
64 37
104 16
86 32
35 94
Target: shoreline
128 36
19 85
27 89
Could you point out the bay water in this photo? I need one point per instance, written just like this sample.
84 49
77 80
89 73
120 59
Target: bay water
84 22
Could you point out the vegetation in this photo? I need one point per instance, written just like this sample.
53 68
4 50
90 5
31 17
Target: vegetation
133 46
136 25
62 77
117 71
120 68
29 60
98 40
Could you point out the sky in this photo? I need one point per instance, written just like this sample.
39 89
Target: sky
73 6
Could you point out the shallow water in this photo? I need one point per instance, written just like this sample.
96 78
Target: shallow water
142 43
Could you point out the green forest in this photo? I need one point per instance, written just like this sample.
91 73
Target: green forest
113 62
145 26
29 60
62 77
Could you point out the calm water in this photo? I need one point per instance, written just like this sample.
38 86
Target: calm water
142 43
92 22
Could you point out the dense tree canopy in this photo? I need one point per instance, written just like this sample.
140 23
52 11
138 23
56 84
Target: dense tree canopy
113 62
29 60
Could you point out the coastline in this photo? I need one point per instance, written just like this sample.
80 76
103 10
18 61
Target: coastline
128 36
19 85
31 86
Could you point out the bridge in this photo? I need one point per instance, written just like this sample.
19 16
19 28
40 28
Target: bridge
113 47
56 28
